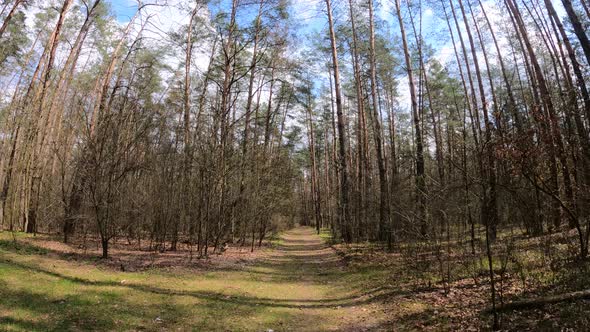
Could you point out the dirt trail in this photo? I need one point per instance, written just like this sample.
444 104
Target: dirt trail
315 286
299 285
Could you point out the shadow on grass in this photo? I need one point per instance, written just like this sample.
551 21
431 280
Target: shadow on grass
87 305
22 248
46 314
299 260
92 310
347 301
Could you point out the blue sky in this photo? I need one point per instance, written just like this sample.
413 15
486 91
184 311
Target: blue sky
123 9
306 13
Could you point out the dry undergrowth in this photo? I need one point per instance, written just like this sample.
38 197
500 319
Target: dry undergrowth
134 258
431 302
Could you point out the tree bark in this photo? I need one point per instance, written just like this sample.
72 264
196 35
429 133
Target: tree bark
344 211
578 28
9 16
420 180
384 218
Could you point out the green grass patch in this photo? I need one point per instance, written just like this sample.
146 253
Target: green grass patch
41 292
21 248
327 236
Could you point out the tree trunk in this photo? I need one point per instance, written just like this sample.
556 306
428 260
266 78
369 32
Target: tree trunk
578 28
420 180
384 223
344 211
9 16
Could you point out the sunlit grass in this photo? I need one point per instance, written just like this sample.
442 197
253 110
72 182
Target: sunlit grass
43 291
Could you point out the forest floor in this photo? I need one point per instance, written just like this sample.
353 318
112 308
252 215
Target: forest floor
297 284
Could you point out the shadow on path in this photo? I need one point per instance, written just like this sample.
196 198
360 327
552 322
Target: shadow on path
302 259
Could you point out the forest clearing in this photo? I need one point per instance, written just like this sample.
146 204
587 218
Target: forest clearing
295 165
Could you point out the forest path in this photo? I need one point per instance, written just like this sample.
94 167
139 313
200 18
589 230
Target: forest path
314 289
300 284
